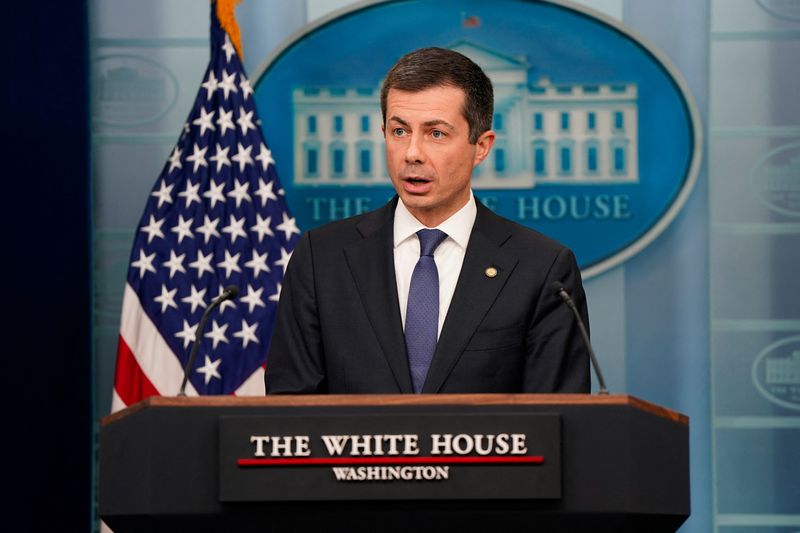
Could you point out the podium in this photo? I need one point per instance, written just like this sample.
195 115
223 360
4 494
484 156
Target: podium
604 463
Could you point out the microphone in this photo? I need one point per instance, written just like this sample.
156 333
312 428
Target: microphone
228 293
559 289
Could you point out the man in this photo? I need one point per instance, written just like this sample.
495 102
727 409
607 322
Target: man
371 304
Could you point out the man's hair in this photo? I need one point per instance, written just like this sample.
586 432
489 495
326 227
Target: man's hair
438 67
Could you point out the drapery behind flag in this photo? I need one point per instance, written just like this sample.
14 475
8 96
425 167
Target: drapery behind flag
216 217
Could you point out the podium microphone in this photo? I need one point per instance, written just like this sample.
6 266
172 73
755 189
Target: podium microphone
229 293
559 289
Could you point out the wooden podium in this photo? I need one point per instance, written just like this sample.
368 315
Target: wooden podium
622 465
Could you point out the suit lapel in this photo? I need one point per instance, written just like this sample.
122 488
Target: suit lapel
474 294
371 262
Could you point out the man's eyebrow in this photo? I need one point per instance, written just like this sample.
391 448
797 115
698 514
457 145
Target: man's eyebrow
428 123
439 122
395 118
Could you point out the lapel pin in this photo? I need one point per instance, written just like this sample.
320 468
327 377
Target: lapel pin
490 272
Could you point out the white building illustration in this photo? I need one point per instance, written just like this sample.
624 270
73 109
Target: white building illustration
784 370
581 134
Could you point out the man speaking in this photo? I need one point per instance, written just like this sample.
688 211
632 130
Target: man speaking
432 293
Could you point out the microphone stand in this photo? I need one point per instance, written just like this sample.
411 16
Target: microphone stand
228 293
567 300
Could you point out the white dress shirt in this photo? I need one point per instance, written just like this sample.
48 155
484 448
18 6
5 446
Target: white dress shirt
449 255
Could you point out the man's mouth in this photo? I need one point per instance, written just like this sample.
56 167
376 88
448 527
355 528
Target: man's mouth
416 184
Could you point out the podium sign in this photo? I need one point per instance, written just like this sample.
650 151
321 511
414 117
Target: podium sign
391 456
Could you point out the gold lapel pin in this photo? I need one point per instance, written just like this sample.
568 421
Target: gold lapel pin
490 272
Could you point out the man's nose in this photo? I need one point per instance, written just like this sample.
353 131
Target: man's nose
415 152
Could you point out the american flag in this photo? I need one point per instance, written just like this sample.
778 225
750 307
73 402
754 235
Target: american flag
216 217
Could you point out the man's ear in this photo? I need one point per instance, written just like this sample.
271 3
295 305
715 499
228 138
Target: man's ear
483 146
383 129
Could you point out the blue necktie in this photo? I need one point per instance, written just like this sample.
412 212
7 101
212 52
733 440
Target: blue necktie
422 312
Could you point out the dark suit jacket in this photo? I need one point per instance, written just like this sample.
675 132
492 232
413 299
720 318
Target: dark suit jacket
339 329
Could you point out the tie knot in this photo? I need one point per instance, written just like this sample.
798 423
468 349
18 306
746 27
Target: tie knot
429 240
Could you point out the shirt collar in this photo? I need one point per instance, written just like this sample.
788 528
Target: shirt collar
458 227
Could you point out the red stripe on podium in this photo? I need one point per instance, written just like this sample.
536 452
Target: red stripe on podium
323 461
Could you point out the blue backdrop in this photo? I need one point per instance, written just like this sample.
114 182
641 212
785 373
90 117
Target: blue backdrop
703 320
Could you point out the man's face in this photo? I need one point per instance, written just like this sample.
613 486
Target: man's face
428 154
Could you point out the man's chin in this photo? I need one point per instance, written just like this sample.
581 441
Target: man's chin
415 201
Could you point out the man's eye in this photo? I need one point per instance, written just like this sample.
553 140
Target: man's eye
437 134
398 132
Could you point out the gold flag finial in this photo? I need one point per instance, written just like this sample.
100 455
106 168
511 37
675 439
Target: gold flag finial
227 19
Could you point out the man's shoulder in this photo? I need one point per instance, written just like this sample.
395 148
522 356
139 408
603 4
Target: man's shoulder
337 227
341 232
515 235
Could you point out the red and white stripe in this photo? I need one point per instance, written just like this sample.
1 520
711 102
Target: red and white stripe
146 366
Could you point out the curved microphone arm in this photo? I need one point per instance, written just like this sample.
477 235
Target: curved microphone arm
229 293
559 289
